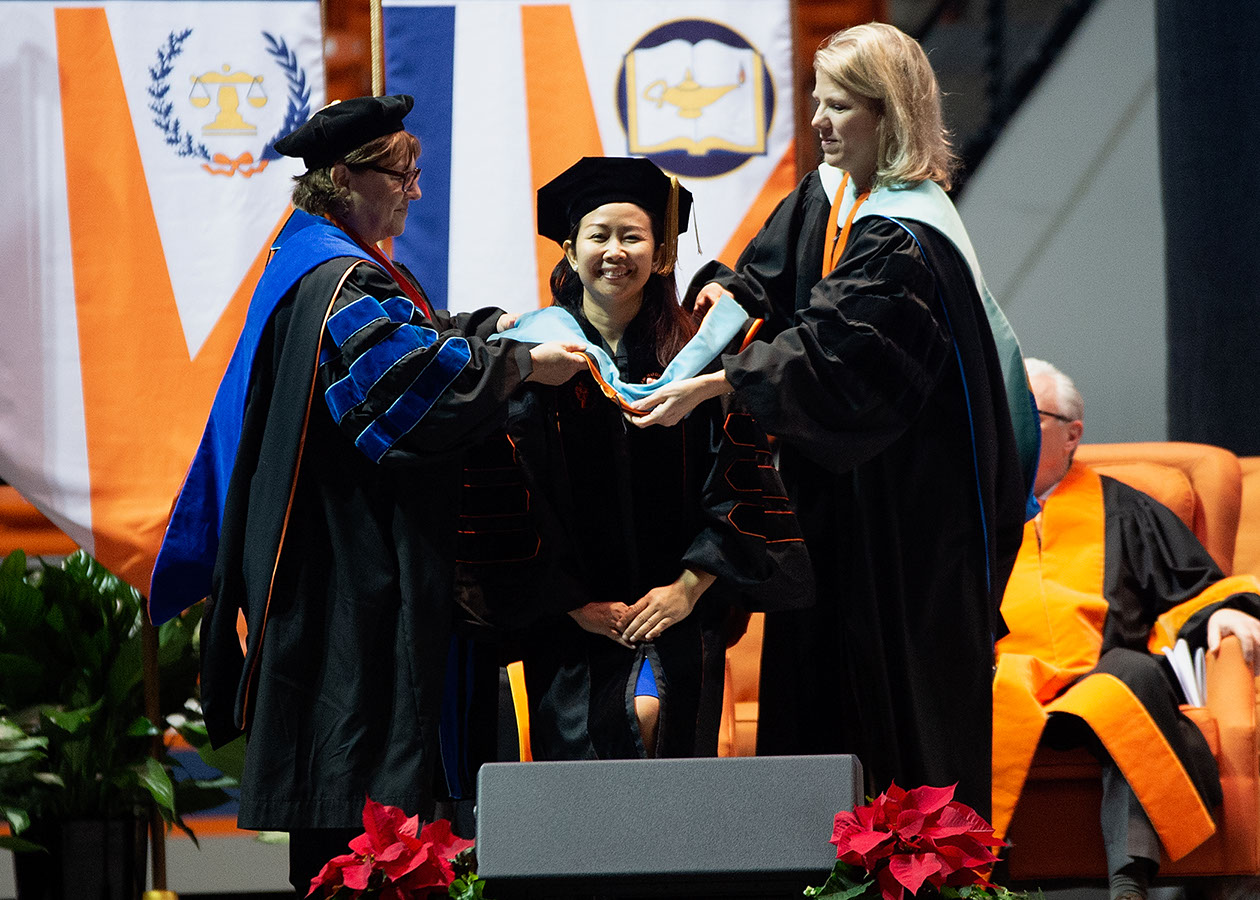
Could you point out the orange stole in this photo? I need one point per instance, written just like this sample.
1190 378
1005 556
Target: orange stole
1055 607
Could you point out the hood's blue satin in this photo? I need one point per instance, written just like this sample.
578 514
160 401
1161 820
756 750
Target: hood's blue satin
185 560
721 323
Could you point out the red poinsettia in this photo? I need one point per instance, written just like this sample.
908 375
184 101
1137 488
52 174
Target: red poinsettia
905 838
411 861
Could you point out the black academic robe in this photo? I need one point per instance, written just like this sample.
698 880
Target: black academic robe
1104 575
337 546
907 484
629 508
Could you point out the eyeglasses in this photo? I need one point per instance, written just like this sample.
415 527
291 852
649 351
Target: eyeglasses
406 178
1061 418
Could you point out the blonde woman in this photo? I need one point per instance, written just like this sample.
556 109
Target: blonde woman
881 379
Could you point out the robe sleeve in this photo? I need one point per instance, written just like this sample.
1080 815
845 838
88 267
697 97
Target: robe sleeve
749 537
764 281
860 362
780 264
1156 567
403 387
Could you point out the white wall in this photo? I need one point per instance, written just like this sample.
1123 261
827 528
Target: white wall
1067 220
234 864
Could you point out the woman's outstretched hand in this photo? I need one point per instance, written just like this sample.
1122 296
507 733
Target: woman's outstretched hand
706 298
670 404
555 362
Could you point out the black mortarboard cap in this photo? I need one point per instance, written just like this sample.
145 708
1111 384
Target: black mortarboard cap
595 180
343 126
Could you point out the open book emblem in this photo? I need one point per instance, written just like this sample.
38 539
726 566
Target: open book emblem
696 98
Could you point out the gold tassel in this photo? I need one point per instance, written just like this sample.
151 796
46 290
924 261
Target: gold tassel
670 256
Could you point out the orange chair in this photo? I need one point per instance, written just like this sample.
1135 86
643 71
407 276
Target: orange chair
738 735
1202 484
1247 547
1055 831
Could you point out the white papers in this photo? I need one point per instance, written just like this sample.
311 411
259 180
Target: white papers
1191 673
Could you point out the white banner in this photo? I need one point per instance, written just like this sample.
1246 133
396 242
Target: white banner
140 197
511 93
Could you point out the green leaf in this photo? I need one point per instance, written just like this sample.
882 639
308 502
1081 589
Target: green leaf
142 727
154 779
21 603
850 893
228 759
198 796
20 845
19 820
71 721
845 882
14 738
71 672
13 757
126 671
10 730
467 887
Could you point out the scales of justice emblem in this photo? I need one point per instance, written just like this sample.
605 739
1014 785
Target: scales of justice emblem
696 98
228 120
233 136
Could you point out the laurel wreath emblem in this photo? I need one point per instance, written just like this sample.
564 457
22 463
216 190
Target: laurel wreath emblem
299 94
163 109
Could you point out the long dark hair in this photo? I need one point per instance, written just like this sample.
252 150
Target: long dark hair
670 326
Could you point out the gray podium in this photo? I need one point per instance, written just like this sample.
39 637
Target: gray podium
738 827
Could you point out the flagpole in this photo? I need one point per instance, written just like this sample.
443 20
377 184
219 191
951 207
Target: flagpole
323 46
377 50
153 710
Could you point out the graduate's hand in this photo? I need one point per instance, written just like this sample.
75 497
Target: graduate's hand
506 321
664 606
706 299
1245 627
671 403
602 618
555 362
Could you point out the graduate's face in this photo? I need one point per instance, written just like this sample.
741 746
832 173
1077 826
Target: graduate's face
613 253
376 206
848 125
1059 439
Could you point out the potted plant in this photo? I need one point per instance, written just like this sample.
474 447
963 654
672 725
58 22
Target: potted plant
397 858
917 843
76 763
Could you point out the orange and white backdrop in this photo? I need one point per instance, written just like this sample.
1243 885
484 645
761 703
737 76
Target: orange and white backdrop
138 199
140 193
509 93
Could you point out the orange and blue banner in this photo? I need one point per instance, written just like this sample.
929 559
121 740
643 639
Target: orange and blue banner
142 194
140 199
509 93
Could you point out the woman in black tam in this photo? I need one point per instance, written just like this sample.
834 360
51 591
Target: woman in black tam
342 420
650 517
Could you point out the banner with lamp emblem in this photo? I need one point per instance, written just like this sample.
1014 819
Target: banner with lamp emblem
140 200
509 93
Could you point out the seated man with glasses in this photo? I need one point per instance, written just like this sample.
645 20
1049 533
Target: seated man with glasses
1097 567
